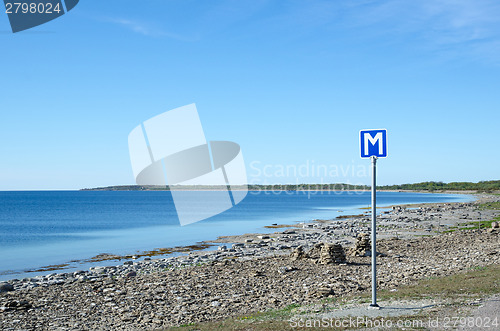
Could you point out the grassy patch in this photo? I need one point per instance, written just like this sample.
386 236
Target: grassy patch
484 224
477 282
450 229
480 224
271 320
490 205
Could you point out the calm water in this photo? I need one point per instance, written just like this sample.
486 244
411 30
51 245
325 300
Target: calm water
45 228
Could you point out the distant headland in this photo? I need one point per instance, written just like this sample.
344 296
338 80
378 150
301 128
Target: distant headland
482 186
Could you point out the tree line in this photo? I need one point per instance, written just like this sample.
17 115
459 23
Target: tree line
483 186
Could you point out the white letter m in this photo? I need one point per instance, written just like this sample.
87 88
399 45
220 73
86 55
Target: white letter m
373 141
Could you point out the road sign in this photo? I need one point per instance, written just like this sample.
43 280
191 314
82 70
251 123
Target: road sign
373 143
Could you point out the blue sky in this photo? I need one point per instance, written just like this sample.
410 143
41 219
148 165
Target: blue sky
292 82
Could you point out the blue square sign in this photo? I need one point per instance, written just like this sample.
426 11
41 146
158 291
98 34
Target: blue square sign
373 143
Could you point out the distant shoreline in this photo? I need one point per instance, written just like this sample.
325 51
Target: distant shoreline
492 187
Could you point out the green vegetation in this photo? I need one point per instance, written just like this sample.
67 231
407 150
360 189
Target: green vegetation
487 224
473 225
309 187
479 224
477 282
456 290
485 186
490 205
130 188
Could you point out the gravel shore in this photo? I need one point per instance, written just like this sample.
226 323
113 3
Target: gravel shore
255 272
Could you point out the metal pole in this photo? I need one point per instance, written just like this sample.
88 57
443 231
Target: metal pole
374 232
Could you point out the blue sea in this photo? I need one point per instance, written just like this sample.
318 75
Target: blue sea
42 228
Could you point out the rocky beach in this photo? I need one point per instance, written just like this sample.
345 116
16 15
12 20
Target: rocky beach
298 264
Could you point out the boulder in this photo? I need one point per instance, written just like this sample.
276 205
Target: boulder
6 287
321 292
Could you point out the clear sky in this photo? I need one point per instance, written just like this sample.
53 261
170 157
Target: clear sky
291 81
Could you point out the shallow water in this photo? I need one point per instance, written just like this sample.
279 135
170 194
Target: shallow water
42 228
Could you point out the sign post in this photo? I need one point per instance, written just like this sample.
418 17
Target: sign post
373 145
374 231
